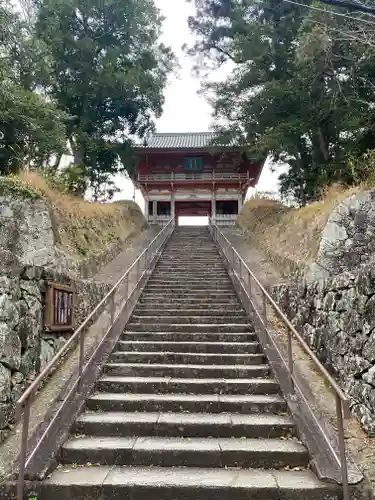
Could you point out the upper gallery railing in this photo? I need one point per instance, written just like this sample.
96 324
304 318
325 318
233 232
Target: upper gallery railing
196 176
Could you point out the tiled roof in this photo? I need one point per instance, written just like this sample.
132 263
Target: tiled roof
180 141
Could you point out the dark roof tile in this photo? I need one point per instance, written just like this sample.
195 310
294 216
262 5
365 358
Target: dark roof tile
181 141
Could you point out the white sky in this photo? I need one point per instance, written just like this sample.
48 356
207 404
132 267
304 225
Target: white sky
184 109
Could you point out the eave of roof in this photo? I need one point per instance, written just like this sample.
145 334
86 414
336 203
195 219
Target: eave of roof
175 142
197 140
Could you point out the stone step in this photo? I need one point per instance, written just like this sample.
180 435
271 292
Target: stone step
185 264
195 285
198 268
190 336
188 278
183 424
183 370
189 288
187 257
199 247
191 278
183 273
189 327
192 452
192 288
201 244
180 483
216 296
191 241
188 264
190 254
168 385
185 283
187 358
192 272
198 285
167 309
189 301
211 403
239 318
189 347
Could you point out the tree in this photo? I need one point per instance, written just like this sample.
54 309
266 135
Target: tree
108 72
296 92
33 129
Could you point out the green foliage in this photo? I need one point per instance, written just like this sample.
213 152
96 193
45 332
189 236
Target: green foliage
33 128
109 73
13 185
88 75
362 169
299 90
70 180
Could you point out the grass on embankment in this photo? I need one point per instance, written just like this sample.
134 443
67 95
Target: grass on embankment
82 228
290 237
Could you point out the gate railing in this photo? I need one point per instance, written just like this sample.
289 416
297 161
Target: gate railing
128 284
259 300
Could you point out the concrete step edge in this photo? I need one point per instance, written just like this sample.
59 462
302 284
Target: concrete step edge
191 484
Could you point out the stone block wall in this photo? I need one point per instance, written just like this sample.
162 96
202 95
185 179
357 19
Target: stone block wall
25 348
348 239
336 317
29 257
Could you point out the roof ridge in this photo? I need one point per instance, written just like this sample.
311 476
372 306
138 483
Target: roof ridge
183 133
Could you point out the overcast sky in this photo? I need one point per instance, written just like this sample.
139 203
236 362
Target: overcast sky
184 109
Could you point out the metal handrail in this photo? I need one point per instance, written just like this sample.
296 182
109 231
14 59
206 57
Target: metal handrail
23 404
342 402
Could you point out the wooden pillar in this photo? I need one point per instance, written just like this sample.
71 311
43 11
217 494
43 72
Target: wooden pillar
146 207
213 206
173 206
154 211
240 202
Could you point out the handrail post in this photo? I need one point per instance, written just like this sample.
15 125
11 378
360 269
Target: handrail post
126 287
146 261
113 308
290 359
343 462
138 270
23 451
81 358
264 301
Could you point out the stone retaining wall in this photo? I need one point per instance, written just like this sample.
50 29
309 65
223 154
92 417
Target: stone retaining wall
24 346
336 316
348 239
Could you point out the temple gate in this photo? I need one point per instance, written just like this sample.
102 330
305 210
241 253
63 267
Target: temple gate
188 175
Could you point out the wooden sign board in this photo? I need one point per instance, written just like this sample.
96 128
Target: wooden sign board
59 313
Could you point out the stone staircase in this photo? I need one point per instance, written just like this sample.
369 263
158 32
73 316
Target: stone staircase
186 408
